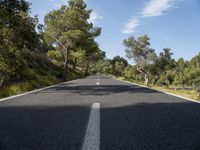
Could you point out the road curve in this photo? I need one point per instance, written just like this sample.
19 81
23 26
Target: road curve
128 117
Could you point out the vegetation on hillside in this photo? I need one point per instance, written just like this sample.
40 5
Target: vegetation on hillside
34 55
152 69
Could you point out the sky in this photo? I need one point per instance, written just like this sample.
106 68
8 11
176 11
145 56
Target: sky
171 24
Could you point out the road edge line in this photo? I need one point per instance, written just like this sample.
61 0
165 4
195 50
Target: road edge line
178 96
33 91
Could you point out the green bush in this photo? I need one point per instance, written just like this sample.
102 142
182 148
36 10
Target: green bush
55 54
11 90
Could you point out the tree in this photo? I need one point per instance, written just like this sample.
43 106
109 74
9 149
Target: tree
69 30
92 54
119 64
17 27
167 78
102 66
131 73
163 63
138 50
181 64
119 68
195 61
17 34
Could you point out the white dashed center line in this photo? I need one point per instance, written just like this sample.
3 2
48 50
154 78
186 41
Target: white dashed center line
92 136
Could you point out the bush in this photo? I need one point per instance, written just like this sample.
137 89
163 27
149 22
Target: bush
12 65
11 90
55 54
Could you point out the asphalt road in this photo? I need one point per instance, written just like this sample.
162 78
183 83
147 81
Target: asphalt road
113 115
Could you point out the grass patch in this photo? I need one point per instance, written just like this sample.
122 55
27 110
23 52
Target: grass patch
35 81
41 74
192 94
11 90
28 85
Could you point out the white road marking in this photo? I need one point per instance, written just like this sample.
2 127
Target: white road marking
92 136
98 83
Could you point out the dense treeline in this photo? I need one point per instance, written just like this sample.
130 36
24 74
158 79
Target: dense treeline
152 68
17 35
31 53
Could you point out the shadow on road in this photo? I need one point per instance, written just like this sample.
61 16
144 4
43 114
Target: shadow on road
99 90
144 126
42 128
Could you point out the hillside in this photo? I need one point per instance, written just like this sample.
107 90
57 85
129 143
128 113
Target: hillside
41 72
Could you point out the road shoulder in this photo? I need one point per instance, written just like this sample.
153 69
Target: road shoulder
185 98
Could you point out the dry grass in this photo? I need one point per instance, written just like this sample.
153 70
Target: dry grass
192 94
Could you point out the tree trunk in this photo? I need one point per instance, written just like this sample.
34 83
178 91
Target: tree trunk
146 76
74 64
197 62
86 68
65 71
153 81
2 79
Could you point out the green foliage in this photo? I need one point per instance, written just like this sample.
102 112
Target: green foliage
119 68
139 51
166 78
17 28
24 65
161 70
37 77
12 65
102 66
69 30
132 73
118 65
17 35
55 54
195 62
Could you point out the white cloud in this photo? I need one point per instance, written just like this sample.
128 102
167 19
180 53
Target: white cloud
131 25
156 7
94 18
151 9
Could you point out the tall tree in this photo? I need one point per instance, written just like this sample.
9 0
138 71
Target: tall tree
17 33
138 49
164 67
68 29
119 64
195 61
17 27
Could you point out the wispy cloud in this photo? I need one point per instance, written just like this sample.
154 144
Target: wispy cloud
152 8
131 25
157 7
95 17
57 3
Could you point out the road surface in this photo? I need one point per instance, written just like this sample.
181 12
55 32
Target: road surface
99 114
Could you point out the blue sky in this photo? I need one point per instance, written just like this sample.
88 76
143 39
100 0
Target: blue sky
171 24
